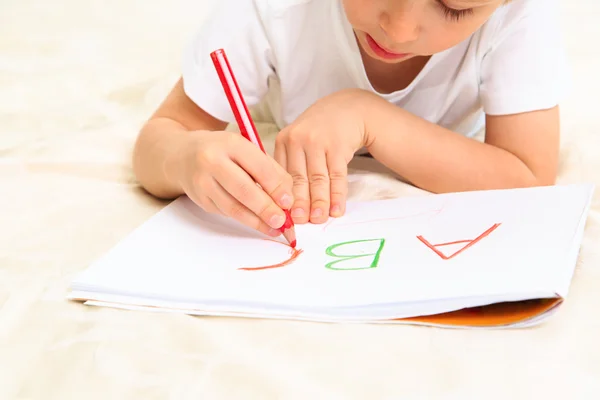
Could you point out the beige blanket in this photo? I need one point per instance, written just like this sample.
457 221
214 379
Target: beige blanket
77 78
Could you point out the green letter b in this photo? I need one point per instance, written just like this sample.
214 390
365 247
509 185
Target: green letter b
356 261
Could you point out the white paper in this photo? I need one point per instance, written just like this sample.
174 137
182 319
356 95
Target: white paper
184 255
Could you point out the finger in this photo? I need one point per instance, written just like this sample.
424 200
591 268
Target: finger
296 166
318 181
231 207
241 187
265 171
338 178
280 153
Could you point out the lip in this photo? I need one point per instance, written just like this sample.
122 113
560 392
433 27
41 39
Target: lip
382 52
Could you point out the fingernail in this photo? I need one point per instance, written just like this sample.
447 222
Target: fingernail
286 201
335 210
316 213
298 213
276 221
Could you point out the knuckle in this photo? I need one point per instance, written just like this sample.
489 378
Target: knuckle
337 175
262 211
209 156
304 204
301 198
233 142
312 139
319 203
298 179
281 137
295 136
318 178
231 139
320 197
338 193
284 183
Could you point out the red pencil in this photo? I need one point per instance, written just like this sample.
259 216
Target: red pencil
244 120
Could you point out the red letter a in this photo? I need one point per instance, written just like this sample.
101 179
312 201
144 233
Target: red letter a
468 244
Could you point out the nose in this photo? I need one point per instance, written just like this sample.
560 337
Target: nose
400 25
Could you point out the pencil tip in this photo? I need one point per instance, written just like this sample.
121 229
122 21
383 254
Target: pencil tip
290 236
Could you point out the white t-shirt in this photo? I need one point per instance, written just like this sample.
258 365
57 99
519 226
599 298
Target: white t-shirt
290 53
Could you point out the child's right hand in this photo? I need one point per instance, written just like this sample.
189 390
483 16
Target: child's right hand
219 171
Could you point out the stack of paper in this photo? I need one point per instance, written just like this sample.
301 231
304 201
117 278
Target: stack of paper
473 259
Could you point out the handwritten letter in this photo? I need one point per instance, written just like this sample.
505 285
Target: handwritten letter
355 260
468 243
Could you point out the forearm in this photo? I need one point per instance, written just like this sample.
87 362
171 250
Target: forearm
155 153
439 160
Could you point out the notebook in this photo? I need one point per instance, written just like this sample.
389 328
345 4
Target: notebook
494 258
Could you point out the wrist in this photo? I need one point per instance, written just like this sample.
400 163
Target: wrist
380 118
171 167
177 157
362 104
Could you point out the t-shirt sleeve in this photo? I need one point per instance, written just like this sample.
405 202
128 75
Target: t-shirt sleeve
235 26
525 68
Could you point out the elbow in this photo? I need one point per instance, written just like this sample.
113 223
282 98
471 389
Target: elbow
535 171
525 177
137 157
543 181
540 177
546 179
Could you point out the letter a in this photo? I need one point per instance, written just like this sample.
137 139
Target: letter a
350 257
468 244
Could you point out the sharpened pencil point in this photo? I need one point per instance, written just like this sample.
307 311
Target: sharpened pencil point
290 236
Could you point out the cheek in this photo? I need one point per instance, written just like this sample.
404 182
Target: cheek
445 34
440 38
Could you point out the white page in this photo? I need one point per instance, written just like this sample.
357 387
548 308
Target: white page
187 255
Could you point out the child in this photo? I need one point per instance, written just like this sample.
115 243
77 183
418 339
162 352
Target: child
409 81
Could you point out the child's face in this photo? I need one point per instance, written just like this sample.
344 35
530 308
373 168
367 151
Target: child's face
396 30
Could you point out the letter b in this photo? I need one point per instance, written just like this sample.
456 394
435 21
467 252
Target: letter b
365 255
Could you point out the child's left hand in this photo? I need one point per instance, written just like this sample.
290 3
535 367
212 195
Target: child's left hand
316 150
